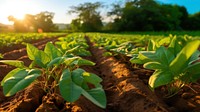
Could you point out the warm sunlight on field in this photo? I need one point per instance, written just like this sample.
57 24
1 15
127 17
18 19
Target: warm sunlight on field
17 8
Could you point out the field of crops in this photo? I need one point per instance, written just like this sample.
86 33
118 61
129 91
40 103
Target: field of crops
99 72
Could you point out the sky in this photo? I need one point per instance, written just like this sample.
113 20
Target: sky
18 8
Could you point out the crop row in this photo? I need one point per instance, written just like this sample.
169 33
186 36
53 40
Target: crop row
174 59
8 39
58 67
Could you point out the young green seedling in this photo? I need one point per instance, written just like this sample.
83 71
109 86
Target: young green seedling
63 68
174 66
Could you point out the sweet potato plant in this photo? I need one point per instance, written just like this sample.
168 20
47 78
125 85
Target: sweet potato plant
174 66
58 71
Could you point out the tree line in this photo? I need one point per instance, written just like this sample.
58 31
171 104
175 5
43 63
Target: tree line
132 15
135 15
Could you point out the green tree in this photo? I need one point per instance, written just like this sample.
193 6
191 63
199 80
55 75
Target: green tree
194 22
44 21
89 18
146 15
184 17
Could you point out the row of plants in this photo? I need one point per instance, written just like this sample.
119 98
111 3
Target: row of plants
57 69
8 39
174 59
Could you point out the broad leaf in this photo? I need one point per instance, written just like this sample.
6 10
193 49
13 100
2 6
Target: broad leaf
52 51
68 89
34 71
81 62
31 51
16 63
160 78
164 56
176 47
195 57
142 57
194 72
92 79
147 55
40 57
77 76
16 71
182 58
164 41
153 65
70 61
18 82
151 45
55 62
97 96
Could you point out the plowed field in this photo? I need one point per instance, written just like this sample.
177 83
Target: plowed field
126 88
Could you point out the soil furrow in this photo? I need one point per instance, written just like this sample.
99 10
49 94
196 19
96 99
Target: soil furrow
125 92
17 53
124 87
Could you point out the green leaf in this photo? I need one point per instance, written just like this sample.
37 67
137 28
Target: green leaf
81 62
142 57
92 79
195 57
68 89
182 58
55 62
153 65
71 90
83 52
175 45
16 63
34 71
31 51
107 54
164 41
72 49
33 63
136 61
194 71
164 56
77 76
18 82
16 71
160 78
147 55
52 51
151 45
40 57
69 61
97 96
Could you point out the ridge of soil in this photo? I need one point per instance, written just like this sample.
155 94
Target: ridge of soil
126 89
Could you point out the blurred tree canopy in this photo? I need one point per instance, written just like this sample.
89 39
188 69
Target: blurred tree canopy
41 22
149 15
89 18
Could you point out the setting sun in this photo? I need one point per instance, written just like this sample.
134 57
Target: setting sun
17 8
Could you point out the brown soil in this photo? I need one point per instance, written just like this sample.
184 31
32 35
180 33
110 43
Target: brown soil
126 90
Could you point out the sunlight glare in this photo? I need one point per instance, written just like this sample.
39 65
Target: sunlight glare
18 8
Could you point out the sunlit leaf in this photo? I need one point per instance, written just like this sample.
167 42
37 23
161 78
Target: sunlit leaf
16 63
